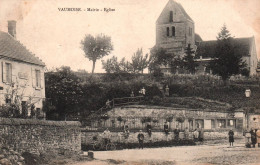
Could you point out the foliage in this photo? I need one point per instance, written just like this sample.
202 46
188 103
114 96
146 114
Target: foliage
226 62
14 106
180 119
111 65
188 60
139 62
158 57
169 119
96 47
119 118
137 65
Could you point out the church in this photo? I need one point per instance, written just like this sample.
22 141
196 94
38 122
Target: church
175 30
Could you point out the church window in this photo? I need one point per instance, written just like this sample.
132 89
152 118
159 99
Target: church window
168 31
171 16
190 31
173 31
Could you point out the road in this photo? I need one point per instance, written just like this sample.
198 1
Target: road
201 154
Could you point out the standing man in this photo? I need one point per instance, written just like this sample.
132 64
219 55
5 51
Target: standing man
107 136
231 137
258 137
253 137
140 138
195 135
176 133
166 128
186 133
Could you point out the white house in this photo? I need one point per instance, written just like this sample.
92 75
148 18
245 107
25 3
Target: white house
22 73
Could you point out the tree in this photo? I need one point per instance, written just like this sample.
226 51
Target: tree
159 57
188 60
226 61
96 47
111 65
139 62
64 89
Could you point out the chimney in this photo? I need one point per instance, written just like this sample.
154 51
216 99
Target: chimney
12 28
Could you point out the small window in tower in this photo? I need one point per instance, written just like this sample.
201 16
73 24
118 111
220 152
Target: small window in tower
171 16
168 31
173 31
190 31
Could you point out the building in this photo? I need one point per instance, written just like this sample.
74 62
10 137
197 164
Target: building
175 29
22 73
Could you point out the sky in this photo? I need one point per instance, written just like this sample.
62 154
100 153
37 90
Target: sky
54 36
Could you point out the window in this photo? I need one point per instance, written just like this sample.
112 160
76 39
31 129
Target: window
38 78
221 123
213 123
173 31
168 31
171 16
199 123
190 31
8 72
231 123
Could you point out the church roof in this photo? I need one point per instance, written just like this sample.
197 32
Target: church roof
171 3
183 11
198 38
207 49
12 49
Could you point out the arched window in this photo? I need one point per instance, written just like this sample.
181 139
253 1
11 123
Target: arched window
168 31
173 31
171 16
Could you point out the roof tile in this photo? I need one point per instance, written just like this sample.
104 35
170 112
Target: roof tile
11 48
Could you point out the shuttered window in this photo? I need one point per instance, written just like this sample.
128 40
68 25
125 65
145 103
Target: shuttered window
7 72
38 78
173 31
168 31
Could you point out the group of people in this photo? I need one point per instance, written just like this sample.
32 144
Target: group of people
253 135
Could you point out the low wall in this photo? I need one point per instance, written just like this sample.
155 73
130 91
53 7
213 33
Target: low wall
38 136
87 136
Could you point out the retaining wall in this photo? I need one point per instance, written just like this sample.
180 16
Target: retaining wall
87 136
38 136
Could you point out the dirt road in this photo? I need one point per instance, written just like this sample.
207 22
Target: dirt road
202 154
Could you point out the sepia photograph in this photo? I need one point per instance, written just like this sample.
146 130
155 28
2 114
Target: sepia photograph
129 82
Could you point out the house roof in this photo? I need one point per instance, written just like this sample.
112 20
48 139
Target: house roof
12 49
207 49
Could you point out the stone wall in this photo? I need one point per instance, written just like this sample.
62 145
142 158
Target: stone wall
38 136
87 136
132 117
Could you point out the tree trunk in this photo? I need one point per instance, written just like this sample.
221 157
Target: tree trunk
93 66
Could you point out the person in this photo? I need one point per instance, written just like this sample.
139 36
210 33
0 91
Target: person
140 138
201 135
253 137
107 135
231 137
166 128
176 133
132 94
195 135
142 91
258 137
186 133
126 131
149 129
108 104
